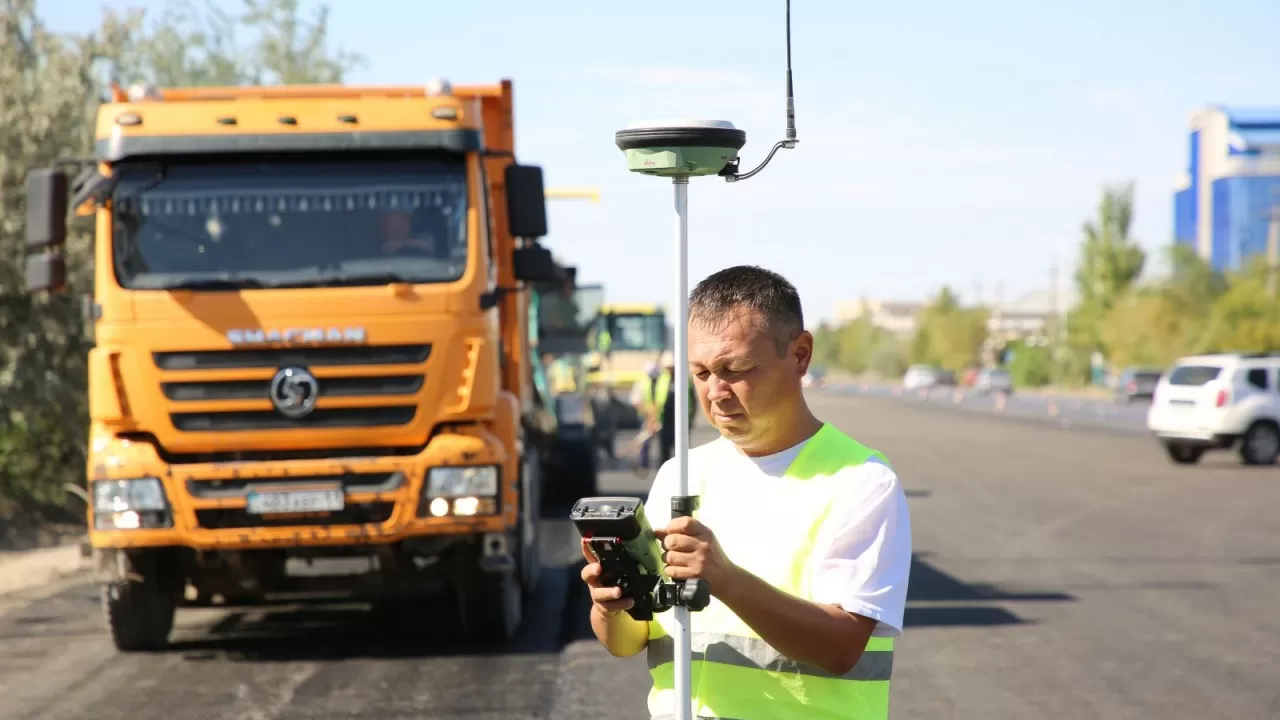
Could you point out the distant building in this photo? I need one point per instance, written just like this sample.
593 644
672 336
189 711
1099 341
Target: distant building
1223 203
897 317
1029 315
1026 316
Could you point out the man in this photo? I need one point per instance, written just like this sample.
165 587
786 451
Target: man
664 393
801 532
658 396
396 227
641 394
559 374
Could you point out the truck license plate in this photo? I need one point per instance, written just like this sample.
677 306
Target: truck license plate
295 501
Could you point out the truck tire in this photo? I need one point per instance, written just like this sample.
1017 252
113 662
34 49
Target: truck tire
140 610
491 605
1260 444
1184 454
580 471
530 536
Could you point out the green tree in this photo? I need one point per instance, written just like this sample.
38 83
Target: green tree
1031 366
50 87
1245 318
1110 259
948 335
859 346
1110 263
1145 328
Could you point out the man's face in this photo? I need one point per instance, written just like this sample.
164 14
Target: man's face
744 387
396 225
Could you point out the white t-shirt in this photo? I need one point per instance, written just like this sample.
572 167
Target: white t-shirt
863 547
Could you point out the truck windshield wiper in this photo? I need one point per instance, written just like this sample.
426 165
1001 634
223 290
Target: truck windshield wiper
369 278
217 284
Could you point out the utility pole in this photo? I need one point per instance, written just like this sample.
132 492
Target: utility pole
996 332
1051 326
1273 249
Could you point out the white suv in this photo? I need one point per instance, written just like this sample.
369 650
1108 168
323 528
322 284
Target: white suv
920 377
1216 402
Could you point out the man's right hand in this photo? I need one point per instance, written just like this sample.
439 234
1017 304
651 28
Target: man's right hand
607 601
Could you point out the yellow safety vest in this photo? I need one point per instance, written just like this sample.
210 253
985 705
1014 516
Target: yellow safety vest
655 393
734 673
561 377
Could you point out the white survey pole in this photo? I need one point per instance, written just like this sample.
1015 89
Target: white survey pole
680 150
680 382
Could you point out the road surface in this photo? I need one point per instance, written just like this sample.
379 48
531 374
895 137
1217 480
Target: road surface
1058 574
1063 411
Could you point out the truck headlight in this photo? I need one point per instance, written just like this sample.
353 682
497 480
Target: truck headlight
451 482
460 491
130 504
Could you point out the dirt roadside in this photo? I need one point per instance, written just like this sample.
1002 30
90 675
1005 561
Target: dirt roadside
35 556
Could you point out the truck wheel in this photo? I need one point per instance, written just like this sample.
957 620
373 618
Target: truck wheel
140 610
1260 444
491 605
530 555
584 471
1184 454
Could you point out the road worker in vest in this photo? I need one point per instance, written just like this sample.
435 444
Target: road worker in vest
641 399
802 533
659 399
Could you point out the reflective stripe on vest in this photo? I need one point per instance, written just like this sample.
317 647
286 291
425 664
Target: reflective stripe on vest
747 652
734 673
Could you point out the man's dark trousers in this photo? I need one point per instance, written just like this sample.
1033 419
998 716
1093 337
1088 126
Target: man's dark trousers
667 433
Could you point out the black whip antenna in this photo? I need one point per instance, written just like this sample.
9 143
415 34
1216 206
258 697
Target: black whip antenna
730 172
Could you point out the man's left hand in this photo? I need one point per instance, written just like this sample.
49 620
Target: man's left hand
691 550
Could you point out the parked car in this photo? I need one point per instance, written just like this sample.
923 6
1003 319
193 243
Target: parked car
816 377
1219 402
920 377
993 380
1136 384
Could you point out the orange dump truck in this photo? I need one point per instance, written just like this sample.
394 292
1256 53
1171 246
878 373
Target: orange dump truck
311 348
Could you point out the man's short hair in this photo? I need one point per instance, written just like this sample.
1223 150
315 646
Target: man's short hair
749 286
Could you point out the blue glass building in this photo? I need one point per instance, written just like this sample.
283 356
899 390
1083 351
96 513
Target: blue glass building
1223 205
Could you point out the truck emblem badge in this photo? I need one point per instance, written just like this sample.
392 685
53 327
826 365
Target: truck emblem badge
294 392
295 336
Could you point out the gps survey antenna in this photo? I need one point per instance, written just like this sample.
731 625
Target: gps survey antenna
679 150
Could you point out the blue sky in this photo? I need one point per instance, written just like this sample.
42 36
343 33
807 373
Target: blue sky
943 142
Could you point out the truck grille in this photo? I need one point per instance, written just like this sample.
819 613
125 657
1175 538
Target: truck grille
351 483
398 389
373 513
284 357
257 389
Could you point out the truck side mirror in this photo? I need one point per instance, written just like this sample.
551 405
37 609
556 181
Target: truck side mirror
534 263
46 209
46 271
526 201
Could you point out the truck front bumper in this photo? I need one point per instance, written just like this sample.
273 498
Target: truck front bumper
384 500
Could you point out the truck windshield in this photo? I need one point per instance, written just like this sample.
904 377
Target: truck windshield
237 224
638 332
